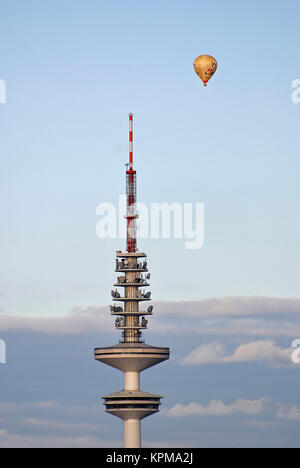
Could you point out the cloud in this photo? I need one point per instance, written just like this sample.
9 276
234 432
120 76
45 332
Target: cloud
12 440
243 315
240 306
59 425
44 409
51 424
261 424
249 316
249 327
11 407
257 351
226 326
80 320
218 408
53 428
241 406
289 412
48 424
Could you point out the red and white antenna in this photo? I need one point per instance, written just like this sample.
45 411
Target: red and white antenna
131 195
131 141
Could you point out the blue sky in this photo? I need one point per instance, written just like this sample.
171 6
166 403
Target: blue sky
73 71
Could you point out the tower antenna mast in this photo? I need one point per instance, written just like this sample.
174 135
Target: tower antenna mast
131 214
131 355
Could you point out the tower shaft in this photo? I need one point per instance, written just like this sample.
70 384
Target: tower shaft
132 433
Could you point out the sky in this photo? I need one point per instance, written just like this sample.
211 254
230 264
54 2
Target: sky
73 71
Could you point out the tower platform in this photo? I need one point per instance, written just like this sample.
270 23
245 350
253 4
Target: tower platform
120 254
132 404
134 357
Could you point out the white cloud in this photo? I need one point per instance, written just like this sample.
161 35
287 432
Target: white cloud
38 411
11 440
48 424
249 327
11 408
257 351
44 421
218 408
289 412
44 432
80 320
261 424
249 316
240 306
226 327
205 354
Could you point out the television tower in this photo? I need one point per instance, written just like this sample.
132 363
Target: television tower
131 355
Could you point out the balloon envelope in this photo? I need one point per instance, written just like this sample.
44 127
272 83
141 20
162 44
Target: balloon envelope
205 66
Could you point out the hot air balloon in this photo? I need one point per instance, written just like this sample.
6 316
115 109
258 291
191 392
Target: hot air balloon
205 67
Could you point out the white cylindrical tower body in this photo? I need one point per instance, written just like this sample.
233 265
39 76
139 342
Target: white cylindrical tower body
131 380
132 433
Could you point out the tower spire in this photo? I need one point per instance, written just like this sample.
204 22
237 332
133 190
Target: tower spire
131 355
131 141
131 195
